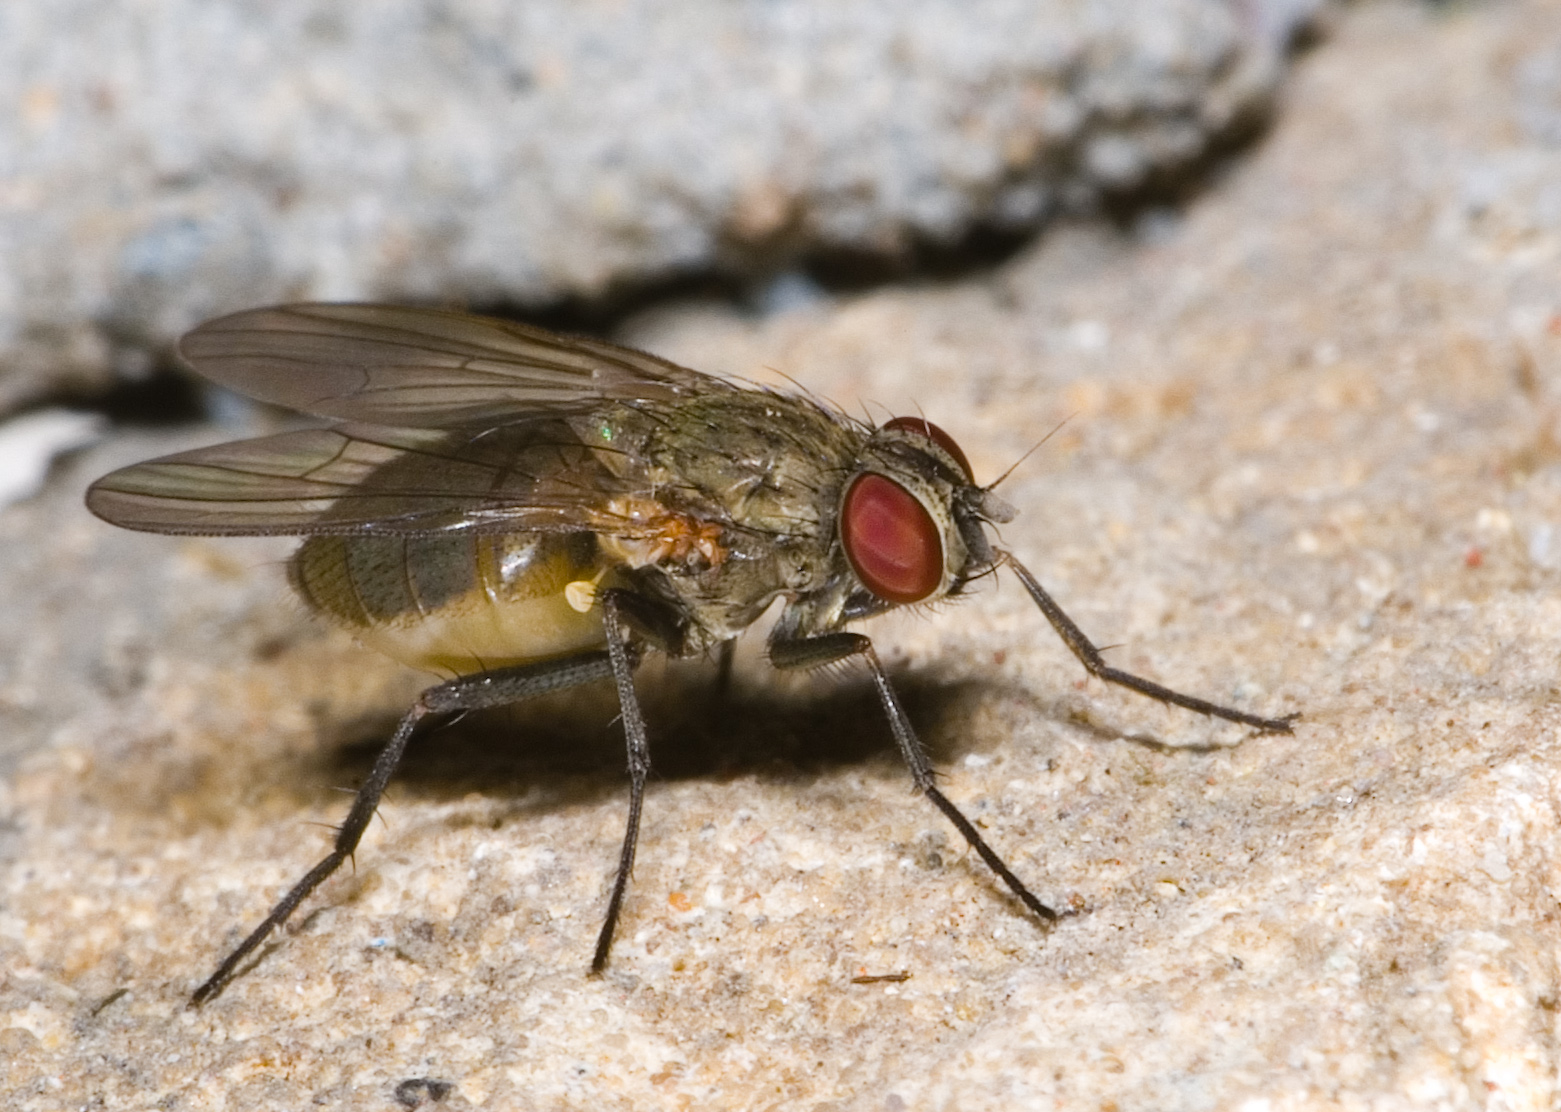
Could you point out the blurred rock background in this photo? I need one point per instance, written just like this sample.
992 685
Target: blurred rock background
167 161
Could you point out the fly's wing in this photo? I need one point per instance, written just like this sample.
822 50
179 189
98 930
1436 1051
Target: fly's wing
424 368
365 479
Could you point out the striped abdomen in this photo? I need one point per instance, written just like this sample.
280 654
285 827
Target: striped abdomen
457 603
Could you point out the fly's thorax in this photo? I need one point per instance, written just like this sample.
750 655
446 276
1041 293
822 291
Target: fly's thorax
799 565
458 602
648 532
718 579
822 610
733 505
767 463
765 568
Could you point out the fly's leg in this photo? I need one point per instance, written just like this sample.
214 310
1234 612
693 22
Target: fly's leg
624 612
1095 664
829 648
723 668
487 689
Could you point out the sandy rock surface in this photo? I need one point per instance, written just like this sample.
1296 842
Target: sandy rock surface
168 160
1312 462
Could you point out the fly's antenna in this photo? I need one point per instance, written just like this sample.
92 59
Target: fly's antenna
1035 448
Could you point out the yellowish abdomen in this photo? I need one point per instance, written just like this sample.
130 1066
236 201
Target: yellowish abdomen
458 604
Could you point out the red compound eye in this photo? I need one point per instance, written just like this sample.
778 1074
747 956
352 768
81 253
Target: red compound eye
923 427
894 546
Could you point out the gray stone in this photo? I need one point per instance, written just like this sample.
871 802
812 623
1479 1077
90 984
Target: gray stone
167 161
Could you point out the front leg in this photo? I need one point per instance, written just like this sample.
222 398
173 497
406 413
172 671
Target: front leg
829 648
1089 656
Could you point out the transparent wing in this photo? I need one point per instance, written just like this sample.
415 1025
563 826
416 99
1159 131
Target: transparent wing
365 479
423 368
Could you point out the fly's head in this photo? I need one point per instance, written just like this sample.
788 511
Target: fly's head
911 520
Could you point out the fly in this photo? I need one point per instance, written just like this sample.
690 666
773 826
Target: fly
529 512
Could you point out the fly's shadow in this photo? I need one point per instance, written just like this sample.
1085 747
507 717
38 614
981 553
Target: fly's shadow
572 741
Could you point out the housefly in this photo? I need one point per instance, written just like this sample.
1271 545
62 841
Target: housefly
528 512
